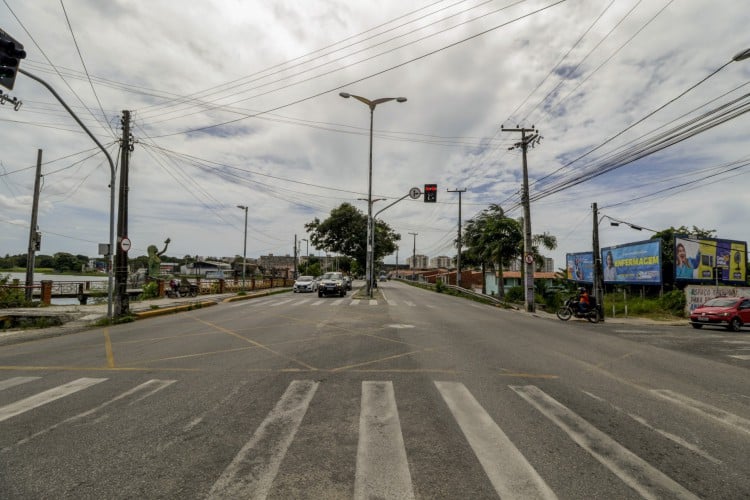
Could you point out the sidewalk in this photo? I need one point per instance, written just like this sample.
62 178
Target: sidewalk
79 317
619 320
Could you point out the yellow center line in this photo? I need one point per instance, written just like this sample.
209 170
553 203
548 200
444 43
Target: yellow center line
108 349
253 342
96 369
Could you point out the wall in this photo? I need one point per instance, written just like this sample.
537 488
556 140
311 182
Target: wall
696 295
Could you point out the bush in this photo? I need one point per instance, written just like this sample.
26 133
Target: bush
439 286
515 294
150 290
674 302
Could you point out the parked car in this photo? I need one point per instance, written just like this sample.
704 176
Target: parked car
730 312
332 284
305 284
383 277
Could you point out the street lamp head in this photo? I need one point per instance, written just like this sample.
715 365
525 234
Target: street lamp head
742 55
243 207
345 95
401 99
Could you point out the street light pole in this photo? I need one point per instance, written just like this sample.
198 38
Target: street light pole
414 258
368 256
244 247
307 252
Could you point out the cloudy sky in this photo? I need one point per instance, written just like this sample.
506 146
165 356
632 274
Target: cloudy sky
639 107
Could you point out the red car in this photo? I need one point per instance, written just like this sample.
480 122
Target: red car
731 312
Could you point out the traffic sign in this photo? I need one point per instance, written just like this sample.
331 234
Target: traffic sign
125 244
529 258
415 193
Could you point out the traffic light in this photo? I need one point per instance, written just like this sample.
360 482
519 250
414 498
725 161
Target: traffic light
11 53
430 193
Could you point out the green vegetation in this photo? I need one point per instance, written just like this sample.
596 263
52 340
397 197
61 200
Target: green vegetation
150 291
669 306
12 297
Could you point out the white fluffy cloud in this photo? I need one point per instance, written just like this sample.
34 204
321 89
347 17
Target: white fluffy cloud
292 149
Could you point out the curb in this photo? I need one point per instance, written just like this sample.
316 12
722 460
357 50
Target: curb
170 310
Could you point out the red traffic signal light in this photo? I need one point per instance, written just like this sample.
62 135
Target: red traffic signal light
430 193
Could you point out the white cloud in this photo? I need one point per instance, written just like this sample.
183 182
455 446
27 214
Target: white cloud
235 53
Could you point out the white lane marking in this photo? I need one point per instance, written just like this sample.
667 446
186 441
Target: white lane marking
12 382
743 357
391 302
337 302
299 302
280 302
382 467
735 421
672 437
317 303
638 474
431 306
505 466
410 304
373 302
47 396
253 469
355 302
260 302
160 384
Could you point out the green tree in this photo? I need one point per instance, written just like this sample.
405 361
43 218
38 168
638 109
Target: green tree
345 232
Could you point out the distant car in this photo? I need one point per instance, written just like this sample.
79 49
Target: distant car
305 284
332 284
730 312
383 277
348 282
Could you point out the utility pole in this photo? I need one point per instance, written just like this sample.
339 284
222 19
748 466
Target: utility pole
397 273
458 258
598 276
295 257
122 301
414 258
35 237
528 253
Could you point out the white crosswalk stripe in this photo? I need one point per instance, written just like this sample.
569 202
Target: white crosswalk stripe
638 474
510 473
251 473
382 468
47 396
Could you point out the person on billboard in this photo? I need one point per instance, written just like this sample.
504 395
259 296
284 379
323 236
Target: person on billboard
684 268
609 268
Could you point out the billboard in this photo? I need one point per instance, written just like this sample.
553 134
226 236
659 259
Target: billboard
580 266
695 260
633 263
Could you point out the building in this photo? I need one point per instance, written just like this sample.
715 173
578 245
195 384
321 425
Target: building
442 261
421 262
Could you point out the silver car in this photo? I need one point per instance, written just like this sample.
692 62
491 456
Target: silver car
305 284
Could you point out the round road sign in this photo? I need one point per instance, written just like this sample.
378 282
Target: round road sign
415 193
125 244
529 258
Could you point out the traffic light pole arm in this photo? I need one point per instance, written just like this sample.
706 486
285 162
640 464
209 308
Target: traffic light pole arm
389 206
111 183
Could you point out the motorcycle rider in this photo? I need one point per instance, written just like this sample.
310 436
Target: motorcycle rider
583 300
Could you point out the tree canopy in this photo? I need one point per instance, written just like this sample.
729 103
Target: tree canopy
345 232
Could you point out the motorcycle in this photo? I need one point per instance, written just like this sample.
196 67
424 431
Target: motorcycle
570 309
184 289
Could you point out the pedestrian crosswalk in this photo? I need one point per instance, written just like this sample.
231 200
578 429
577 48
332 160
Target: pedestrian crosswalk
334 302
384 468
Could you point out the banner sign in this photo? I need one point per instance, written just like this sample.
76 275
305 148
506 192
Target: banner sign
698 260
633 263
580 267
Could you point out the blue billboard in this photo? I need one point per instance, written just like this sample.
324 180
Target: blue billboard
633 263
580 267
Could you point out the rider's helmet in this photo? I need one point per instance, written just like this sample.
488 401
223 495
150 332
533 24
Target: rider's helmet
581 290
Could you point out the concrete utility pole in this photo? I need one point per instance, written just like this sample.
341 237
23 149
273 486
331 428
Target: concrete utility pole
295 257
528 254
414 258
122 301
598 270
458 258
34 235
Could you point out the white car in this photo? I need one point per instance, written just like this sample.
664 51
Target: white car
305 284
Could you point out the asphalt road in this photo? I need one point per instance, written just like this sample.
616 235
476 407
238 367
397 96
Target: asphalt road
413 395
